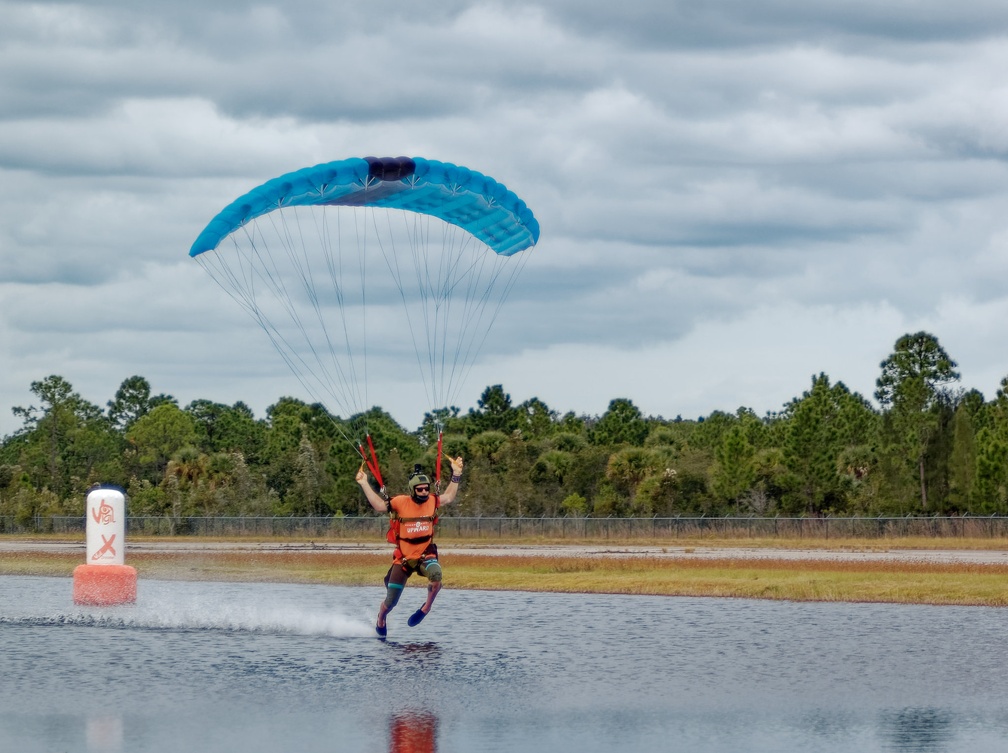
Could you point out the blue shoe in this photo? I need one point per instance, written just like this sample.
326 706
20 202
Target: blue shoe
382 632
416 618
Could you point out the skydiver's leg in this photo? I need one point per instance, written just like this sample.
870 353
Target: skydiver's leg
432 569
395 581
380 626
432 591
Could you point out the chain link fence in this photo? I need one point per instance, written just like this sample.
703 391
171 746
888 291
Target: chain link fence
577 529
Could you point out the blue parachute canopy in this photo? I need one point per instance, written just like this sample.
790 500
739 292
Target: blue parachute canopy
457 195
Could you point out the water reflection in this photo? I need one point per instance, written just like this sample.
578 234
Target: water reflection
104 734
413 732
429 648
267 667
917 730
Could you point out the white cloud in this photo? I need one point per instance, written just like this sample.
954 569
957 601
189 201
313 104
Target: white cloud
732 198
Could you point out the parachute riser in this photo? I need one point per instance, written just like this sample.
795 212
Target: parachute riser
372 464
437 465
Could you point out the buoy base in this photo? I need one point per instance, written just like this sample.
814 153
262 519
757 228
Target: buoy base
104 585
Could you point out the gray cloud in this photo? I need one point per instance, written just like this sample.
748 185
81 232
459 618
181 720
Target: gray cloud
699 171
737 23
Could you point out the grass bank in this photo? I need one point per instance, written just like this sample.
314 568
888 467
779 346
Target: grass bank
893 581
854 544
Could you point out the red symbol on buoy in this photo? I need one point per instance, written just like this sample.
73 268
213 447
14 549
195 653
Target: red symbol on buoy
106 547
104 514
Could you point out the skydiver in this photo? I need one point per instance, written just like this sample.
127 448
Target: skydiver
414 517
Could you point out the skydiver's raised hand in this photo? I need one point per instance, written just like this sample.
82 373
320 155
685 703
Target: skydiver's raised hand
378 502
362 477
453 488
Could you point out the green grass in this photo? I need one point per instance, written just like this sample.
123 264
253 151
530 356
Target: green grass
767 578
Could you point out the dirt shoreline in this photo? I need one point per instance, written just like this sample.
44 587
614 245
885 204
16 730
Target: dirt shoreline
584 551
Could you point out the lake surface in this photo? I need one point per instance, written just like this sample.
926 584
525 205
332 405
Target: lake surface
267 667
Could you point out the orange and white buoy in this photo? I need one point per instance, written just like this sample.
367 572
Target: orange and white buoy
104 580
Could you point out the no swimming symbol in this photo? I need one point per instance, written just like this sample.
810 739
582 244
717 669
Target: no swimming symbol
106 548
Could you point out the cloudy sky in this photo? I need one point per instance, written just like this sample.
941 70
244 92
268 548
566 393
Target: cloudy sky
734 195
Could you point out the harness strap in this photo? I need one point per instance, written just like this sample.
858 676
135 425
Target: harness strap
418 540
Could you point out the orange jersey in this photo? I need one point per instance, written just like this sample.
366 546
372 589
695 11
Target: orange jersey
416 524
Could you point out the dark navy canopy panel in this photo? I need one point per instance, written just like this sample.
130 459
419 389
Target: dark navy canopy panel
457 195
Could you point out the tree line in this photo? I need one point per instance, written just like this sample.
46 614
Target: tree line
931 447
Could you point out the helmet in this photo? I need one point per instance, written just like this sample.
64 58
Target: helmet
415 481
417 478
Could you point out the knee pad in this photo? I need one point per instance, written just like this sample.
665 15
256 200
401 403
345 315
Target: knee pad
433 571
392 595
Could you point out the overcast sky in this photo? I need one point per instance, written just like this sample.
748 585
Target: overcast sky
734 195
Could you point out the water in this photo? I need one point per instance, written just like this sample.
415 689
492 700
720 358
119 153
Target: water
262 667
